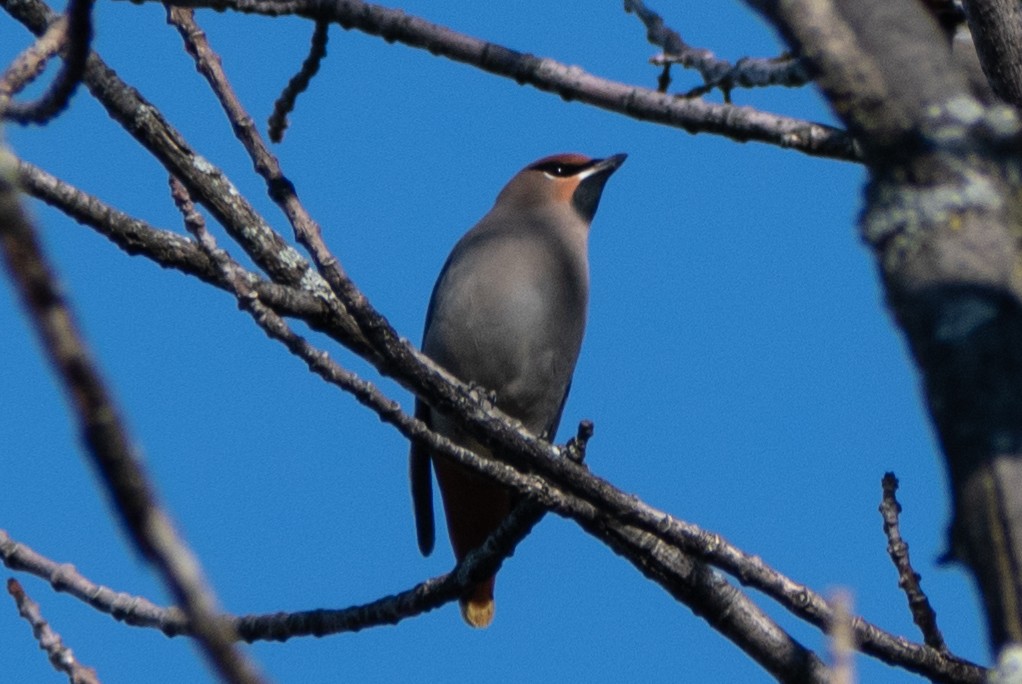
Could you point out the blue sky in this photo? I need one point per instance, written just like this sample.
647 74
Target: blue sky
739 365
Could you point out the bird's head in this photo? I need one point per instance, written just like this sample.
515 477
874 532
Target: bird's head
573 180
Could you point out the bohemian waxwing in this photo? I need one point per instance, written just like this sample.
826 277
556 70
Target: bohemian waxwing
507 314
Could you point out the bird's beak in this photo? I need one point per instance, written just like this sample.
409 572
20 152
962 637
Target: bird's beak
605 167
614 161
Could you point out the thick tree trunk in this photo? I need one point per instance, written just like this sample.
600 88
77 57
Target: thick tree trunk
942 218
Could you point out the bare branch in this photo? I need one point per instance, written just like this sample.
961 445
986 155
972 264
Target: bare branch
63 577
569 82
749 72
106 438
61 657
28 65
297 85
423 597
55 99
279 187
166 248
711 597
908 578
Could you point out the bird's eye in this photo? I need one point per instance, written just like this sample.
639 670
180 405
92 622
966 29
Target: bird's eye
558 169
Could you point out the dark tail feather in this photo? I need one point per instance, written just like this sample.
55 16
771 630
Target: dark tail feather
420 472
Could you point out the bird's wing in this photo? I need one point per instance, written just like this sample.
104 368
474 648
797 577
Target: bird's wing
420 472
551 429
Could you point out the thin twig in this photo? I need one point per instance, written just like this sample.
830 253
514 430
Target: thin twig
908 579
299 82
64 577
61 657
748 72
28 65
56 98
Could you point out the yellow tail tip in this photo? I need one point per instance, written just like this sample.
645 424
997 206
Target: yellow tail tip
477 613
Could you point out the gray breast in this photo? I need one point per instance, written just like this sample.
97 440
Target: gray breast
508 313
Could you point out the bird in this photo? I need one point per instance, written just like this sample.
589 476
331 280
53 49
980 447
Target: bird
507 314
